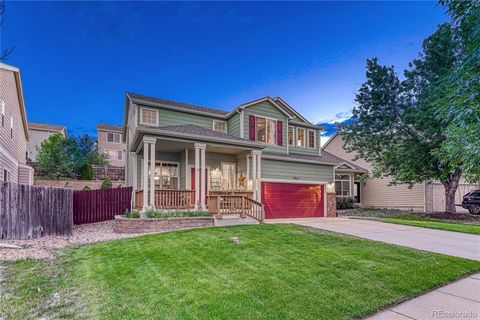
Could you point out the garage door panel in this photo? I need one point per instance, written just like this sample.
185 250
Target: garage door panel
289 200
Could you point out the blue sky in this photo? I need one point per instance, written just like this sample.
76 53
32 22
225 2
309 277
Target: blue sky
79 58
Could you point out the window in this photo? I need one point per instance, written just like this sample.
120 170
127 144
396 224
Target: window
342 185
311 139
301 137
291 137
114 154
149 117
223 178
266 130
113 137
6 175
2 105
220 126
166 175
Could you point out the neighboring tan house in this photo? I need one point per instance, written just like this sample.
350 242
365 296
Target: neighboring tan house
261 152
378 193
38 133
13 128
110 142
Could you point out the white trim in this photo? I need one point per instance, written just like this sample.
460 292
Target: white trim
189 176
344 163
111 132
275 104
314 139
294 181
187 187
325 200
149 124
242 124
235 171
304 137
220 121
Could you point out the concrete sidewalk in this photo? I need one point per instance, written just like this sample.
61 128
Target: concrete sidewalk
458 300
457 244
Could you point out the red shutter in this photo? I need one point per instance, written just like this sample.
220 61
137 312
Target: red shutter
280 133
251 127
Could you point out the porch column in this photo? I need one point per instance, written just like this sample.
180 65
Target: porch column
254 175
152 175
197 189
203 179
259 176
145 174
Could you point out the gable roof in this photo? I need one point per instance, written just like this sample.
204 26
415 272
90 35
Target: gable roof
109 127
23 110
330 140
45 127
339 161
291 109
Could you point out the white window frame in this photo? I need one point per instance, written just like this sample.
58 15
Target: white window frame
234 173
220 121
266 130
114 133
149 124
304 137
160 162
350 195
314 139
293 135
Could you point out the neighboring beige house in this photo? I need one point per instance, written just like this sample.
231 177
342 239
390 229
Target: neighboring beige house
377 193
111 143
39 132
13 128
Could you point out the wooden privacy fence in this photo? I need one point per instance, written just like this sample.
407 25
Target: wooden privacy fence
28 212
100 205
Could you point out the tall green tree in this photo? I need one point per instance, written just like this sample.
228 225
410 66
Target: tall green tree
395 125
461 105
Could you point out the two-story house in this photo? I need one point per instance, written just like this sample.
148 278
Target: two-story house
263 150
39 132
110 142
13 128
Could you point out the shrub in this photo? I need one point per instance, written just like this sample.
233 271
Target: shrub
132 214
86 172
107 183
174 214
344 203
86 188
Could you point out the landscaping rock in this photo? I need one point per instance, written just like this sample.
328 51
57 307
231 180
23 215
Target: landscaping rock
235 240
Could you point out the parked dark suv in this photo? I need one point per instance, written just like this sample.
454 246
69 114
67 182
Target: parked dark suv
471 201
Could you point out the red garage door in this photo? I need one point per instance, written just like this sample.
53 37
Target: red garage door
290 200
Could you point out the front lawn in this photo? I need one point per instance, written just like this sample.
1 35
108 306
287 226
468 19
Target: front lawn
458 222
419 221
276 272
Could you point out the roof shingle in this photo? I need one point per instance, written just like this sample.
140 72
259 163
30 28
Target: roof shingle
166 102
109 127
45 127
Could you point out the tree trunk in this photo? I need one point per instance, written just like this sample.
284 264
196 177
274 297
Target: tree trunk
450 189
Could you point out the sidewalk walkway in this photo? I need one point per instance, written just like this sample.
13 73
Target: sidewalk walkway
458 300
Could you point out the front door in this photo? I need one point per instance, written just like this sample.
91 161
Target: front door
356 192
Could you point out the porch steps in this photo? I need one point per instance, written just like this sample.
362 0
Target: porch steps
233 220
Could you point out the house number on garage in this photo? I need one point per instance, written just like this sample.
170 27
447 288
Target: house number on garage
296 178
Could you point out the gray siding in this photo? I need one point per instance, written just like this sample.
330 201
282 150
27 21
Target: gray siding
266 109
172 118
276 169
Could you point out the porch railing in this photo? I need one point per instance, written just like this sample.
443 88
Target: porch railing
245 193
221 205
169 199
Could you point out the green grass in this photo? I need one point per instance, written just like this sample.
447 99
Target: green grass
276 272
420 221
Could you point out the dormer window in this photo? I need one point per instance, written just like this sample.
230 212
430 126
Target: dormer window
149 117
220 126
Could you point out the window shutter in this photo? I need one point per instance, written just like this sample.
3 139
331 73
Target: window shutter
251 127
280 133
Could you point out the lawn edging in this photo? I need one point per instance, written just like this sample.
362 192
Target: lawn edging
149 225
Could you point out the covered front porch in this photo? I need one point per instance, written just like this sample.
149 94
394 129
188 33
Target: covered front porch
198 175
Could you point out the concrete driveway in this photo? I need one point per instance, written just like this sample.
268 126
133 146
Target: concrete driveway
450 243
